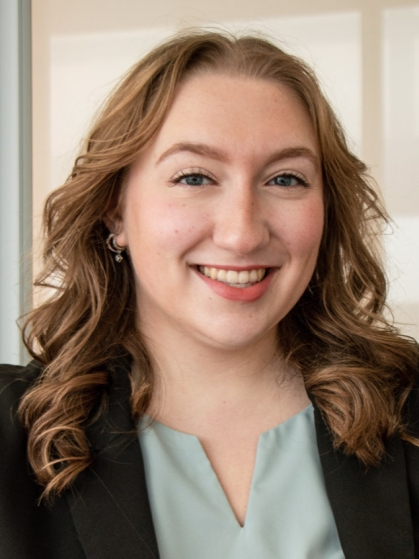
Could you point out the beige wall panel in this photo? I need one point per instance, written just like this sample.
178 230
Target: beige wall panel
401 159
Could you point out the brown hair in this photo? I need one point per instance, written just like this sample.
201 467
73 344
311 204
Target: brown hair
358 368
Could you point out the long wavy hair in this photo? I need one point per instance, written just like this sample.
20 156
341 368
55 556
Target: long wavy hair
356 365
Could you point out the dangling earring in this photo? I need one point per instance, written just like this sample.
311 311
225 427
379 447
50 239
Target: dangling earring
114 247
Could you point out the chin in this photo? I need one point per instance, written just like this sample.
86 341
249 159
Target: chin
233 338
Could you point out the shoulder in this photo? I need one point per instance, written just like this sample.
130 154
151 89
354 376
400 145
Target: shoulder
20 373
15 381
27 529
411 408
411 419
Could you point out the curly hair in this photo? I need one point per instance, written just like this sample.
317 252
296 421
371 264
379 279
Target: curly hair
354 362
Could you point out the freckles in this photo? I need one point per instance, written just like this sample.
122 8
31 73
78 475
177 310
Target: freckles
302 233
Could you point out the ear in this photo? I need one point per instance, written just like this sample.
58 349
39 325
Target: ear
115 223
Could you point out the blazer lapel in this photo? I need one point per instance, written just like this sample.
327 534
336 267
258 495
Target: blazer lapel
371 508
109 501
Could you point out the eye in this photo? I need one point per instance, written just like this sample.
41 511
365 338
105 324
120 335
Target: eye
194 179
197 178
288 180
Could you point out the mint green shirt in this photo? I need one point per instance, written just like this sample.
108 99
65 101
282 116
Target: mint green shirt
288 514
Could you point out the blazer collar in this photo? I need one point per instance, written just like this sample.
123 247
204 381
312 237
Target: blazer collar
109 501
371 507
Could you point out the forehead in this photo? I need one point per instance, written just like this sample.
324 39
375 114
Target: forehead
254 113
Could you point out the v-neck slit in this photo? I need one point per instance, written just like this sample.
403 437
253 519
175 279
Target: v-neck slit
174 436
287 498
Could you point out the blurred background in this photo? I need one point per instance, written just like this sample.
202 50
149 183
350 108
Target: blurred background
71 53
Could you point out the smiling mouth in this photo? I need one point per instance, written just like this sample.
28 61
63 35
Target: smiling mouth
241 279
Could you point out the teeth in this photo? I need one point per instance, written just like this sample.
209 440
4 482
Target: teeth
245 278
253 276
232 277
221 275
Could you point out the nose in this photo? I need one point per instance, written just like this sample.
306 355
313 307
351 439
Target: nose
240 224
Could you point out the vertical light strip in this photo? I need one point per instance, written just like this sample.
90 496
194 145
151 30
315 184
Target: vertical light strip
372 143
15 174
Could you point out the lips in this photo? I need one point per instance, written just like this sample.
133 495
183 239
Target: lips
234 278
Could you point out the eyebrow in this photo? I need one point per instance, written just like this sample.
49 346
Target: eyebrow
214 153
293 153
198 149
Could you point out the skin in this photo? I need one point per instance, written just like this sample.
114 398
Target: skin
232 180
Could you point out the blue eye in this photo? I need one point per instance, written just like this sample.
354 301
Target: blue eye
288 180
193 180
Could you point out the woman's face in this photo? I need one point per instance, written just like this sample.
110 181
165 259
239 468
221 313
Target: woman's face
223 214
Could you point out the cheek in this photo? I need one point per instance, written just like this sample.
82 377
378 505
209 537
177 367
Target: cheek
304 229
164 227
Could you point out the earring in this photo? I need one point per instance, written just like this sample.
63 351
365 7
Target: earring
114 247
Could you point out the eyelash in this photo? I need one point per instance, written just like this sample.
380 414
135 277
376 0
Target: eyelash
192 173
299 178
200 173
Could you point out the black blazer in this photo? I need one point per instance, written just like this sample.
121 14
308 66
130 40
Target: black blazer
106 514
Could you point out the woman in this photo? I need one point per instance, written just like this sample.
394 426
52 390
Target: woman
213 374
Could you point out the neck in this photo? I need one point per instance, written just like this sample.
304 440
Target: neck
202 384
